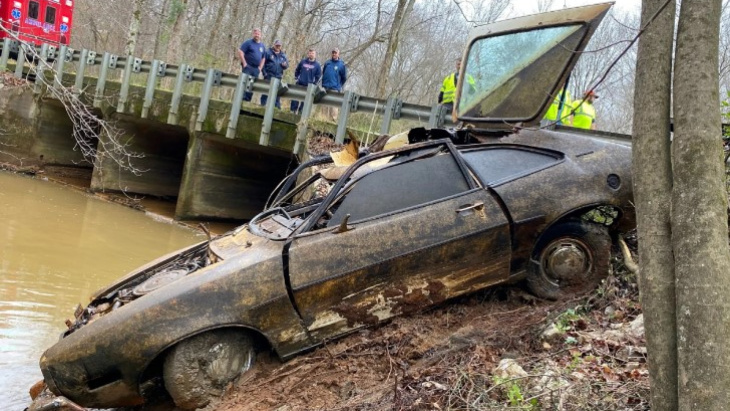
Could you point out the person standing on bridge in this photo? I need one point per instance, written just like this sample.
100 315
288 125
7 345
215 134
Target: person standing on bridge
584 114
334 73
308 72
276 63
251 53
334 76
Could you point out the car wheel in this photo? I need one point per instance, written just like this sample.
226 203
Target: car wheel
570 258
200 367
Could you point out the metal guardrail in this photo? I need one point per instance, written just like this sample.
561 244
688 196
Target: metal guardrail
348 102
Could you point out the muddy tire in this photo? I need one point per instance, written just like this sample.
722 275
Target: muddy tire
571 258
197 369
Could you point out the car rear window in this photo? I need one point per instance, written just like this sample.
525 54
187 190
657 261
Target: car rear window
496 165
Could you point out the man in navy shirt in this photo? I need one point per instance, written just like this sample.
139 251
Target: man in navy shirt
334 73
307 72
252 58
276 63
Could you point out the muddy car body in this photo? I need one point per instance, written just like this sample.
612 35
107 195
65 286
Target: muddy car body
341 248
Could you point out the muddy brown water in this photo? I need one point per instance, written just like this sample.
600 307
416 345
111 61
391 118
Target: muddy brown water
58 246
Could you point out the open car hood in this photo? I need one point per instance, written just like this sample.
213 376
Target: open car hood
513 68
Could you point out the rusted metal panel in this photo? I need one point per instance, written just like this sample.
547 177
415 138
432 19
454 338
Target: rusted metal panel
246 290
398 264
581 180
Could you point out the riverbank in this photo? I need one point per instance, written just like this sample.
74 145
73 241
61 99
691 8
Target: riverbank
78 179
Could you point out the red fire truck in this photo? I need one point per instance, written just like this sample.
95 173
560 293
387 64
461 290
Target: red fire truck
37 21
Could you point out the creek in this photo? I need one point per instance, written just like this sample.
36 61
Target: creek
57 246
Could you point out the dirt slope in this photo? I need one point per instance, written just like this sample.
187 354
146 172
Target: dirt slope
591 357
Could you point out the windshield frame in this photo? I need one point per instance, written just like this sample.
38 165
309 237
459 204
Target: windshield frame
587 17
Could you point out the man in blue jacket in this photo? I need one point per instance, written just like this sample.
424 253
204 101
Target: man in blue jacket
334 73
276 63
251 54
308 71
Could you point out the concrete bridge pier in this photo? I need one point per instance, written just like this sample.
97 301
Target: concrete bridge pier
228 179
35 131
156 151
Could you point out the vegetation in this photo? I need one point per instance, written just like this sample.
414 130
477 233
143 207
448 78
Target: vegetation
391 47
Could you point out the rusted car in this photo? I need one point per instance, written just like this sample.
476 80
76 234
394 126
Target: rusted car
340 248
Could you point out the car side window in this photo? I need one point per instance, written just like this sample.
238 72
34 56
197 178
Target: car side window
398 186
495 165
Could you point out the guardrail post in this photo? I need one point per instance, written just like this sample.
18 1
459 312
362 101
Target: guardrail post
177 93
149 93
349 103
60 62
101 81
79 84
269 114
205 98
243 80
438 115
20 62
40 69
303 125
5 55
124 90
392 111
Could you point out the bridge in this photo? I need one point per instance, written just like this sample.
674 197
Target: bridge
185 131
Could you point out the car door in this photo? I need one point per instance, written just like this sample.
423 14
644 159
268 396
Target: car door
419 231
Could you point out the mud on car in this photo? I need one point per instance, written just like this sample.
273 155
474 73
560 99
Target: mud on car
402 229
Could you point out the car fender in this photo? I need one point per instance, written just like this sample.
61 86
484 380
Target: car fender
112 352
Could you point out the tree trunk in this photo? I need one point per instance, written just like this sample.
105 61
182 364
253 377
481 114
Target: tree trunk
652 195
234 40
401 14
157 53
699 219
279 18
178 9
213 39
133 33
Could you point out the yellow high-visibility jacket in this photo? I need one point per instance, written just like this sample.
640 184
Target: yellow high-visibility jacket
552 113
584 116
448 88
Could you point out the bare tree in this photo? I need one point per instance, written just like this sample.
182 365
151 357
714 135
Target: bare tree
699 213
134 25
652 195
93 135
176 19
544 5
615 105
403 10
481 12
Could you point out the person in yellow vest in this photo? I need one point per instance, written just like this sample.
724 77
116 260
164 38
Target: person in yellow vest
584 114
559 113
448 88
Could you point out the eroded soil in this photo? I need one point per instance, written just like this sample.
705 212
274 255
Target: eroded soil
592 356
